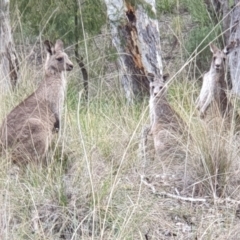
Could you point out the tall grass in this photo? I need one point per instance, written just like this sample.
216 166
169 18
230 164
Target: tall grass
96 184
92 187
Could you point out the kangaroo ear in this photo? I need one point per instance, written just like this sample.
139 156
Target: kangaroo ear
150 77
59 45
213 48
49 47
230 47
165 77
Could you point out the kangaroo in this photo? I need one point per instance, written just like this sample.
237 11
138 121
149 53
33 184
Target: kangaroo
29 128
214 85
165 122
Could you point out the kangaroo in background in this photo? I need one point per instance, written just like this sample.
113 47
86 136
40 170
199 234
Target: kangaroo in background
28 129
214 85
165 122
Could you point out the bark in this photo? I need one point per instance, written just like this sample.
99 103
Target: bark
79 59
9 67
234 57
136 37
84 73
214 4
220 11
226 20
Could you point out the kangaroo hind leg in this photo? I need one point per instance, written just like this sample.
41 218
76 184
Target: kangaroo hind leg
32 143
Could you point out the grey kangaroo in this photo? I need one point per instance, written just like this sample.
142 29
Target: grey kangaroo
29 128
214 86
165 122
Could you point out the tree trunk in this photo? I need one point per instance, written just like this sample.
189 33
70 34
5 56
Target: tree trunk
9 66
79 59
136 37
226 20
234 57
84 73
219 10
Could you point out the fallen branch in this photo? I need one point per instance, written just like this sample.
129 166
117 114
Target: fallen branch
164 194
226 200
189 199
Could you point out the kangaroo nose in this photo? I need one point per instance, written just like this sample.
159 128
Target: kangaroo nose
217 66
69 67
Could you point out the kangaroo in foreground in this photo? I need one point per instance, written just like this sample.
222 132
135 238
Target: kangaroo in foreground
214 85
166 124
29 128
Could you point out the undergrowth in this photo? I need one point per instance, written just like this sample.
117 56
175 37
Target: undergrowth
96 185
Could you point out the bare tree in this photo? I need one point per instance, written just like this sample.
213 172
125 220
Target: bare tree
234 58
226 19
9 66
135 35
79 59
220 9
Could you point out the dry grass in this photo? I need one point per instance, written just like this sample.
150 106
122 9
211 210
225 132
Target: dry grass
97 187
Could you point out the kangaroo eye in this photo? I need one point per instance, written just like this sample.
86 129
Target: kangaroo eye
60 59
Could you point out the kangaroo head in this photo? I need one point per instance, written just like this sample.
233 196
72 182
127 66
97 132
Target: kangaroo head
57 60
218 58
156 85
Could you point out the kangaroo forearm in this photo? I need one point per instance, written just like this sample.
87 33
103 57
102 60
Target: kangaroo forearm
206 104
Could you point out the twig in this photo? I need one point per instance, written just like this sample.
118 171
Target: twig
146 235
148 184
189 199
227 200
164 194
